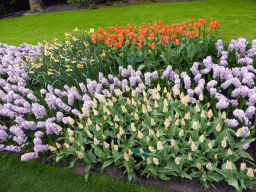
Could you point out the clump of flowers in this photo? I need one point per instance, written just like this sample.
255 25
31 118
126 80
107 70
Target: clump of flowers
183 137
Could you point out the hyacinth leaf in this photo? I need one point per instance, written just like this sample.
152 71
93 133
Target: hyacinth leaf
138 154
107 163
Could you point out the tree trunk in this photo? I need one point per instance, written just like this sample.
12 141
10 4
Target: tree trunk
37 6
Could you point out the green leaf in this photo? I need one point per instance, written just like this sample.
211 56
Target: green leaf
163 176
87 172
244 142
153 170
183 174
140 67
220 171
72 163
216 177
98 151
232 181
92 157
107 163
127 166
244 154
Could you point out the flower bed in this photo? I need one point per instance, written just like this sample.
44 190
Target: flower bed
172 122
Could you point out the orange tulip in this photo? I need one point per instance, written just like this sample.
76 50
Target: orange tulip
152 46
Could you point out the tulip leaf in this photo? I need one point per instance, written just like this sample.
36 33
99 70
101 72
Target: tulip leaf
107 163
72 163
220 171
153 170
184 174
244 142
91 156
163 176
243 154
98 151
87 172
233 181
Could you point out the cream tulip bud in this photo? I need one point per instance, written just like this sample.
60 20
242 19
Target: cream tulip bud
166 123
52 148
159 146
229 151
70 132
198 165
155 161
183 122
71 120
124 109
58 145
106 144
189 158
229 165
223 143
165 102
201 139
89 121
209 166
209 114
158 87
144 93
239 132
250 172
71 139
181 133
95 112
152 122
197 108
215 156
95 141
243 166
195 125
156 105
157 133
82 148
172 142
133 127
177 160
126 157
89 134
165 109
136 116
116 147
176 91
150 132
116 118
187 115
59 127
140 135
176 115
201 97
210 145
66 145
121 132
148 139
203 114
223 115
150 148
177 122
148 161
80 155
130 152
149 108
193 146
97 127
127 88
